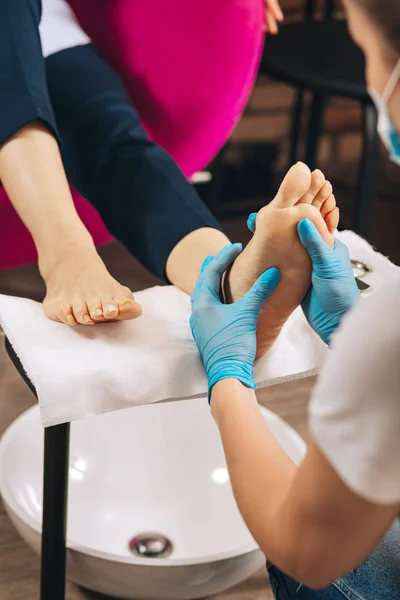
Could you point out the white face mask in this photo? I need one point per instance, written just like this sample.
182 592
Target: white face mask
386 130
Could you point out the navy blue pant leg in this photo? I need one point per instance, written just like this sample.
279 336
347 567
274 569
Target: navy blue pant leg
141 194
23 90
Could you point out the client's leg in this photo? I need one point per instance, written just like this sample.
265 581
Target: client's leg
141 194
32 172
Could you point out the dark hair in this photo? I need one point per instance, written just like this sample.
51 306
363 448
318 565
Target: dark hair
386 14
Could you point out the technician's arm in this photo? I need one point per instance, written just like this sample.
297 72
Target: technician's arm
305 520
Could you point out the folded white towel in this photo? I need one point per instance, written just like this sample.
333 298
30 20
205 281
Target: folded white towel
83 371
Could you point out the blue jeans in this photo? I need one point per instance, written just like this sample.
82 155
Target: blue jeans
377 579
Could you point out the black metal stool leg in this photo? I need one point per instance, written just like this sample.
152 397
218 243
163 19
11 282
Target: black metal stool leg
315 124
297 112
368 171
55 499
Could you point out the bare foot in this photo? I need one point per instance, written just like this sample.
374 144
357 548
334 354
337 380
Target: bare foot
276 244
81 290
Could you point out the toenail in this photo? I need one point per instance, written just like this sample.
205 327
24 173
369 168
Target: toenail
87 319
127 301
98 312
70 320
111 309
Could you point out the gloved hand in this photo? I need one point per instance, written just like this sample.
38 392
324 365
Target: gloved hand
226 333
333 290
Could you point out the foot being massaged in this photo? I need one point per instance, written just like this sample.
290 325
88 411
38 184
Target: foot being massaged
74 122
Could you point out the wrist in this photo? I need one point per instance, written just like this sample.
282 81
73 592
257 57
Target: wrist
228 393
232 371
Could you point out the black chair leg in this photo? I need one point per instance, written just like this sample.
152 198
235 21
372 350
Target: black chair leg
368 171
55 499
315 125
297 112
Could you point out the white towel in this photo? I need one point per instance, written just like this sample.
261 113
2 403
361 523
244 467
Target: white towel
83 371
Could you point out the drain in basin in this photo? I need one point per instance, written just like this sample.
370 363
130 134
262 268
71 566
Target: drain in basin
150 545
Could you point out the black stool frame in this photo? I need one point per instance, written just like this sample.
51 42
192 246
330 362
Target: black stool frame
55 501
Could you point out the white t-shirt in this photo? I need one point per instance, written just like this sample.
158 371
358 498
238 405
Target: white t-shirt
59 28
355 408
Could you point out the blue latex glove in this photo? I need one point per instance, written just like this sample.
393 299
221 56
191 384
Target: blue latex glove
333 290
225 334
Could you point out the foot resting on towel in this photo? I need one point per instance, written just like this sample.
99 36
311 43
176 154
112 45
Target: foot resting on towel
81 290
275 243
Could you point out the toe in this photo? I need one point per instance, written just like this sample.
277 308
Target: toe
110 309
317 183
95 309
295 184
332 220
81 313
328 205
128 309
324 193
50 309
65 315
126 292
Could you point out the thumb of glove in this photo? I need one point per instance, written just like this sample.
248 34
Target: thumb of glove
251 222
261 290
312 241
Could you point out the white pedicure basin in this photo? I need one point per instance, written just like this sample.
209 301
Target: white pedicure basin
151 510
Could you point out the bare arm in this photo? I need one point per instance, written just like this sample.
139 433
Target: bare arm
32 173
283 504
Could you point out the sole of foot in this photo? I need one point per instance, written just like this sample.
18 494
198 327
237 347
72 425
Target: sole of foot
275 243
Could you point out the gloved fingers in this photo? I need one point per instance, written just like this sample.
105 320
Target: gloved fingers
343 256
206 262
251 222
343 250
211 276
305 303
262 290
312 241
199 281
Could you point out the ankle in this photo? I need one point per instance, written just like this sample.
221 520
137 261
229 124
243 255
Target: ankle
53 253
